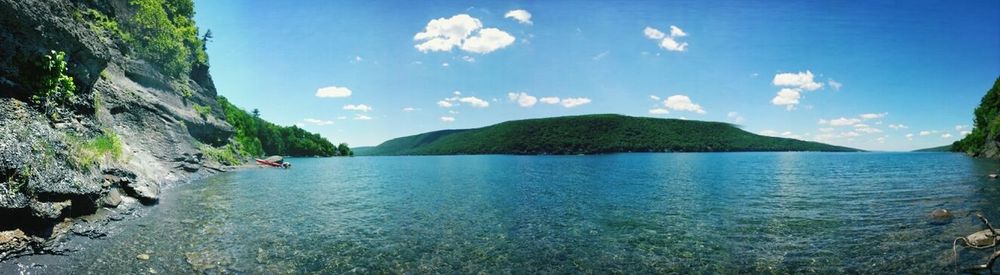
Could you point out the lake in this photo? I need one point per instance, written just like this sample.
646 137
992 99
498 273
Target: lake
619 213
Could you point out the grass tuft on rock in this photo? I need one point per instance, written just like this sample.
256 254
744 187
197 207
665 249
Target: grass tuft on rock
88 153
225 155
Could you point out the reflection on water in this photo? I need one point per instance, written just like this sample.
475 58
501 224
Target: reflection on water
628 213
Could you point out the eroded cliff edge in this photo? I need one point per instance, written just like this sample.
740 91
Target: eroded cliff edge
132 127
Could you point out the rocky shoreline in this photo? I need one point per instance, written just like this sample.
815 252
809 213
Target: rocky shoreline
150 128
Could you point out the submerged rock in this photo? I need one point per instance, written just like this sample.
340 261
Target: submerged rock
941 216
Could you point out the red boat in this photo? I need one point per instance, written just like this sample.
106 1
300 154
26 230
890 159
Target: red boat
274 161
268 163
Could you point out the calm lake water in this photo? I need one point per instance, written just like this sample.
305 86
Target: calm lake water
621 213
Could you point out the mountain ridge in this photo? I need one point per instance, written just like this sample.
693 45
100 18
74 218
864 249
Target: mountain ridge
592 134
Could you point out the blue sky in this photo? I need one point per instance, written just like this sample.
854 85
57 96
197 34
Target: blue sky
877 76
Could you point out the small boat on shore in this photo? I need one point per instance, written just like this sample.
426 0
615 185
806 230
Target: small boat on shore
274 161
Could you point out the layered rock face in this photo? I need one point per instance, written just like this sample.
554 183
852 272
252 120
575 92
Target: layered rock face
43 184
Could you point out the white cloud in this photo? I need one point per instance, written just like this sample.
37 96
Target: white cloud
826 130
677 32
964 133
445 64
521 16
840 121
357 59
652 33
670 44
457 93
487 41
359 107
667 42
897 126
873 116
788 97
946 136
362 117
909 136
448 119
925 133
792 85
960 127
474 101
863 128
682 103
444 34
574 101
735 117
801 80
523 99
600 55
549 100
333 91
834 84
658 111
453 112
318 122
410 109
445 104
654 98
469 59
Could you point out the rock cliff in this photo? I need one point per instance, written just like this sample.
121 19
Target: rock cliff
130 130
984 140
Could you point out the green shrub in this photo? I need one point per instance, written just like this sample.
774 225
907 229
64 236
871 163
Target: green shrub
203 111
225 155
90 152
54 87
163 32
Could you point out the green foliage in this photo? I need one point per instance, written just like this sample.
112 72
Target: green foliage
163 32
99 22
87 153
203 111
986 123
226 155
593 134
54 86
344 150
258 137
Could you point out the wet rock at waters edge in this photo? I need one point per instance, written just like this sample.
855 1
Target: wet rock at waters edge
941 216
147 192
112 199
13 242
191 167
50 210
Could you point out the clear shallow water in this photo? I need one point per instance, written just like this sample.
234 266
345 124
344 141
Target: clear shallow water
627 213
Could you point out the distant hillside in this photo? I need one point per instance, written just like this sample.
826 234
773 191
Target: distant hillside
984 141
946 148
593 134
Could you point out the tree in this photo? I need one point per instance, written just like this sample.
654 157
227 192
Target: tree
343 150
256 113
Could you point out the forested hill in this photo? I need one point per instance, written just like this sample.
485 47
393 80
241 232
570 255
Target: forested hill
593 134
257 137
984 141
